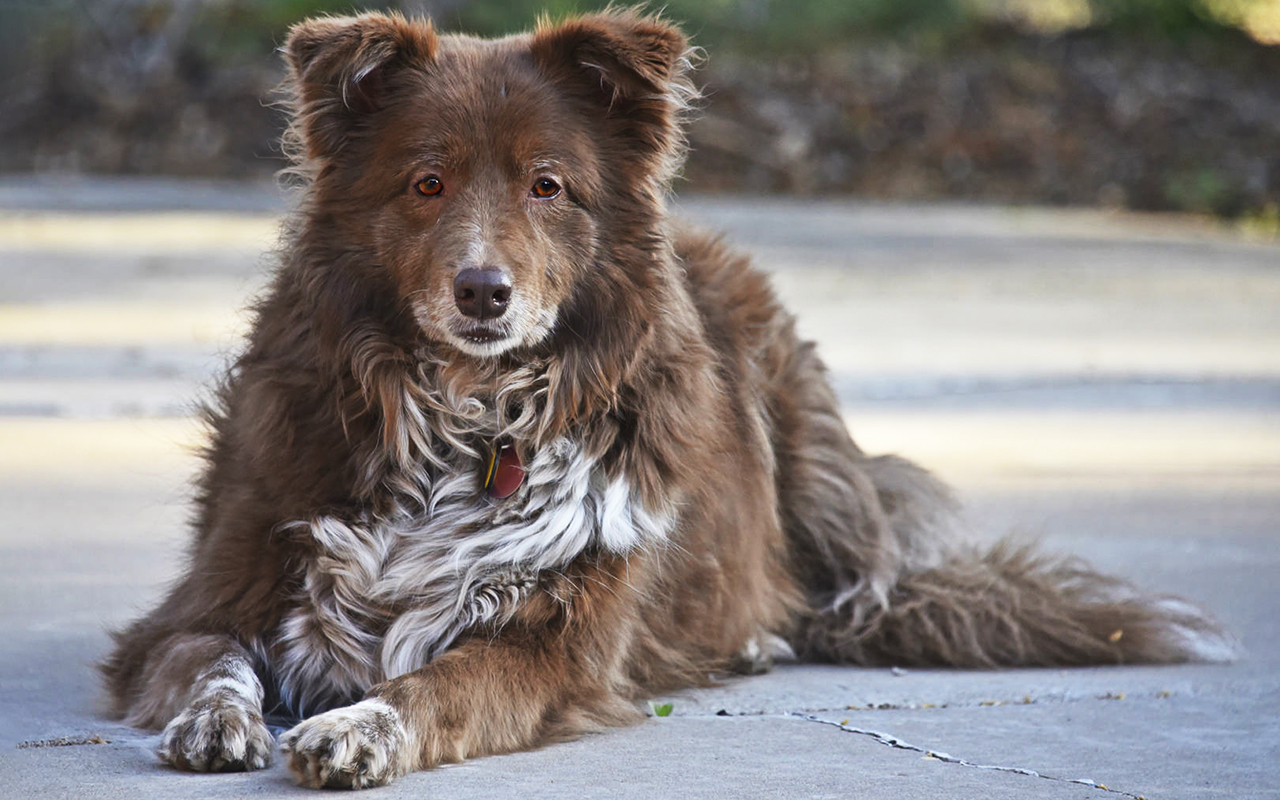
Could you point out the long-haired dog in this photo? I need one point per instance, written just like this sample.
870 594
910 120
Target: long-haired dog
509 450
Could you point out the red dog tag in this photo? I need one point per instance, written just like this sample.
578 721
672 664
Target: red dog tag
505 473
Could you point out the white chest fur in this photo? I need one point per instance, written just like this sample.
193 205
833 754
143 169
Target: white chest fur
386 595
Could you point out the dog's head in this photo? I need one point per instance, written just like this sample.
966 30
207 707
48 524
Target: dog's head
488 183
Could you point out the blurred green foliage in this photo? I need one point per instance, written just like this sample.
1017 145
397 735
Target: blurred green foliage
770 25
1172 18
775 26
1200 190
232 30
801 25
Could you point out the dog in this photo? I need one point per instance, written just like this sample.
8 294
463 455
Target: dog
510 450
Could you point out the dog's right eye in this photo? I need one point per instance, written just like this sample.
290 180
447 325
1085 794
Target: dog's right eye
429 186
545 188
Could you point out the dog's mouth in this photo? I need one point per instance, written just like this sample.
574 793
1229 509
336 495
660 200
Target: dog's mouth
482 334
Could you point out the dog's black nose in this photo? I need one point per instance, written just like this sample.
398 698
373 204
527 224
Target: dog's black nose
482 293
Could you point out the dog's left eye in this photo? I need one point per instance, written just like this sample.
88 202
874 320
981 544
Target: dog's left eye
429 186
545 188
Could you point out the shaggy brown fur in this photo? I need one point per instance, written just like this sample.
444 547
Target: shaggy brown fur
692 502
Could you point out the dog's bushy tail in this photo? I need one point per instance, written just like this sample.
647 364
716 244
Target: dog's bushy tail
1009 606
1001 605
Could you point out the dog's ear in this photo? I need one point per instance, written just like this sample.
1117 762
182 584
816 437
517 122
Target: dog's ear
631 56
340 69
634 68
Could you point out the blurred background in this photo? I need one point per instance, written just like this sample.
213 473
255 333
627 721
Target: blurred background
1037 241
1140 104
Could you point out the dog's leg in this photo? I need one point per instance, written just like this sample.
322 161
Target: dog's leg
841 536
760 652
554 672
206 688
482 698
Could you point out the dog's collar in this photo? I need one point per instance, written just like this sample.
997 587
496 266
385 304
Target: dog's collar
505 473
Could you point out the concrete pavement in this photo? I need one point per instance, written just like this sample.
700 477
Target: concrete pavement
1107 384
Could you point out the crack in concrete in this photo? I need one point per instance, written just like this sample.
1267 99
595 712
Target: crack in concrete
889 740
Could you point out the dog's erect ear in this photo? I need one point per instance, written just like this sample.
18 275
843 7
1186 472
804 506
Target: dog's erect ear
339 69
630 55
635 67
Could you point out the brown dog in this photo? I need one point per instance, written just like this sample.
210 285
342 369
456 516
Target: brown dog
508 451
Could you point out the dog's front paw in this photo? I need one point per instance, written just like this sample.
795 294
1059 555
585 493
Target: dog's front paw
352 748
219 732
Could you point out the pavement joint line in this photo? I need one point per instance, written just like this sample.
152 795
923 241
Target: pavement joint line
889 740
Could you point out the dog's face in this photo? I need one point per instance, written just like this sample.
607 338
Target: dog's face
477 175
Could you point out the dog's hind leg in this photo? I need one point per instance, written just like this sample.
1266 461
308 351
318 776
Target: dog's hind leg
205 688
842 542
